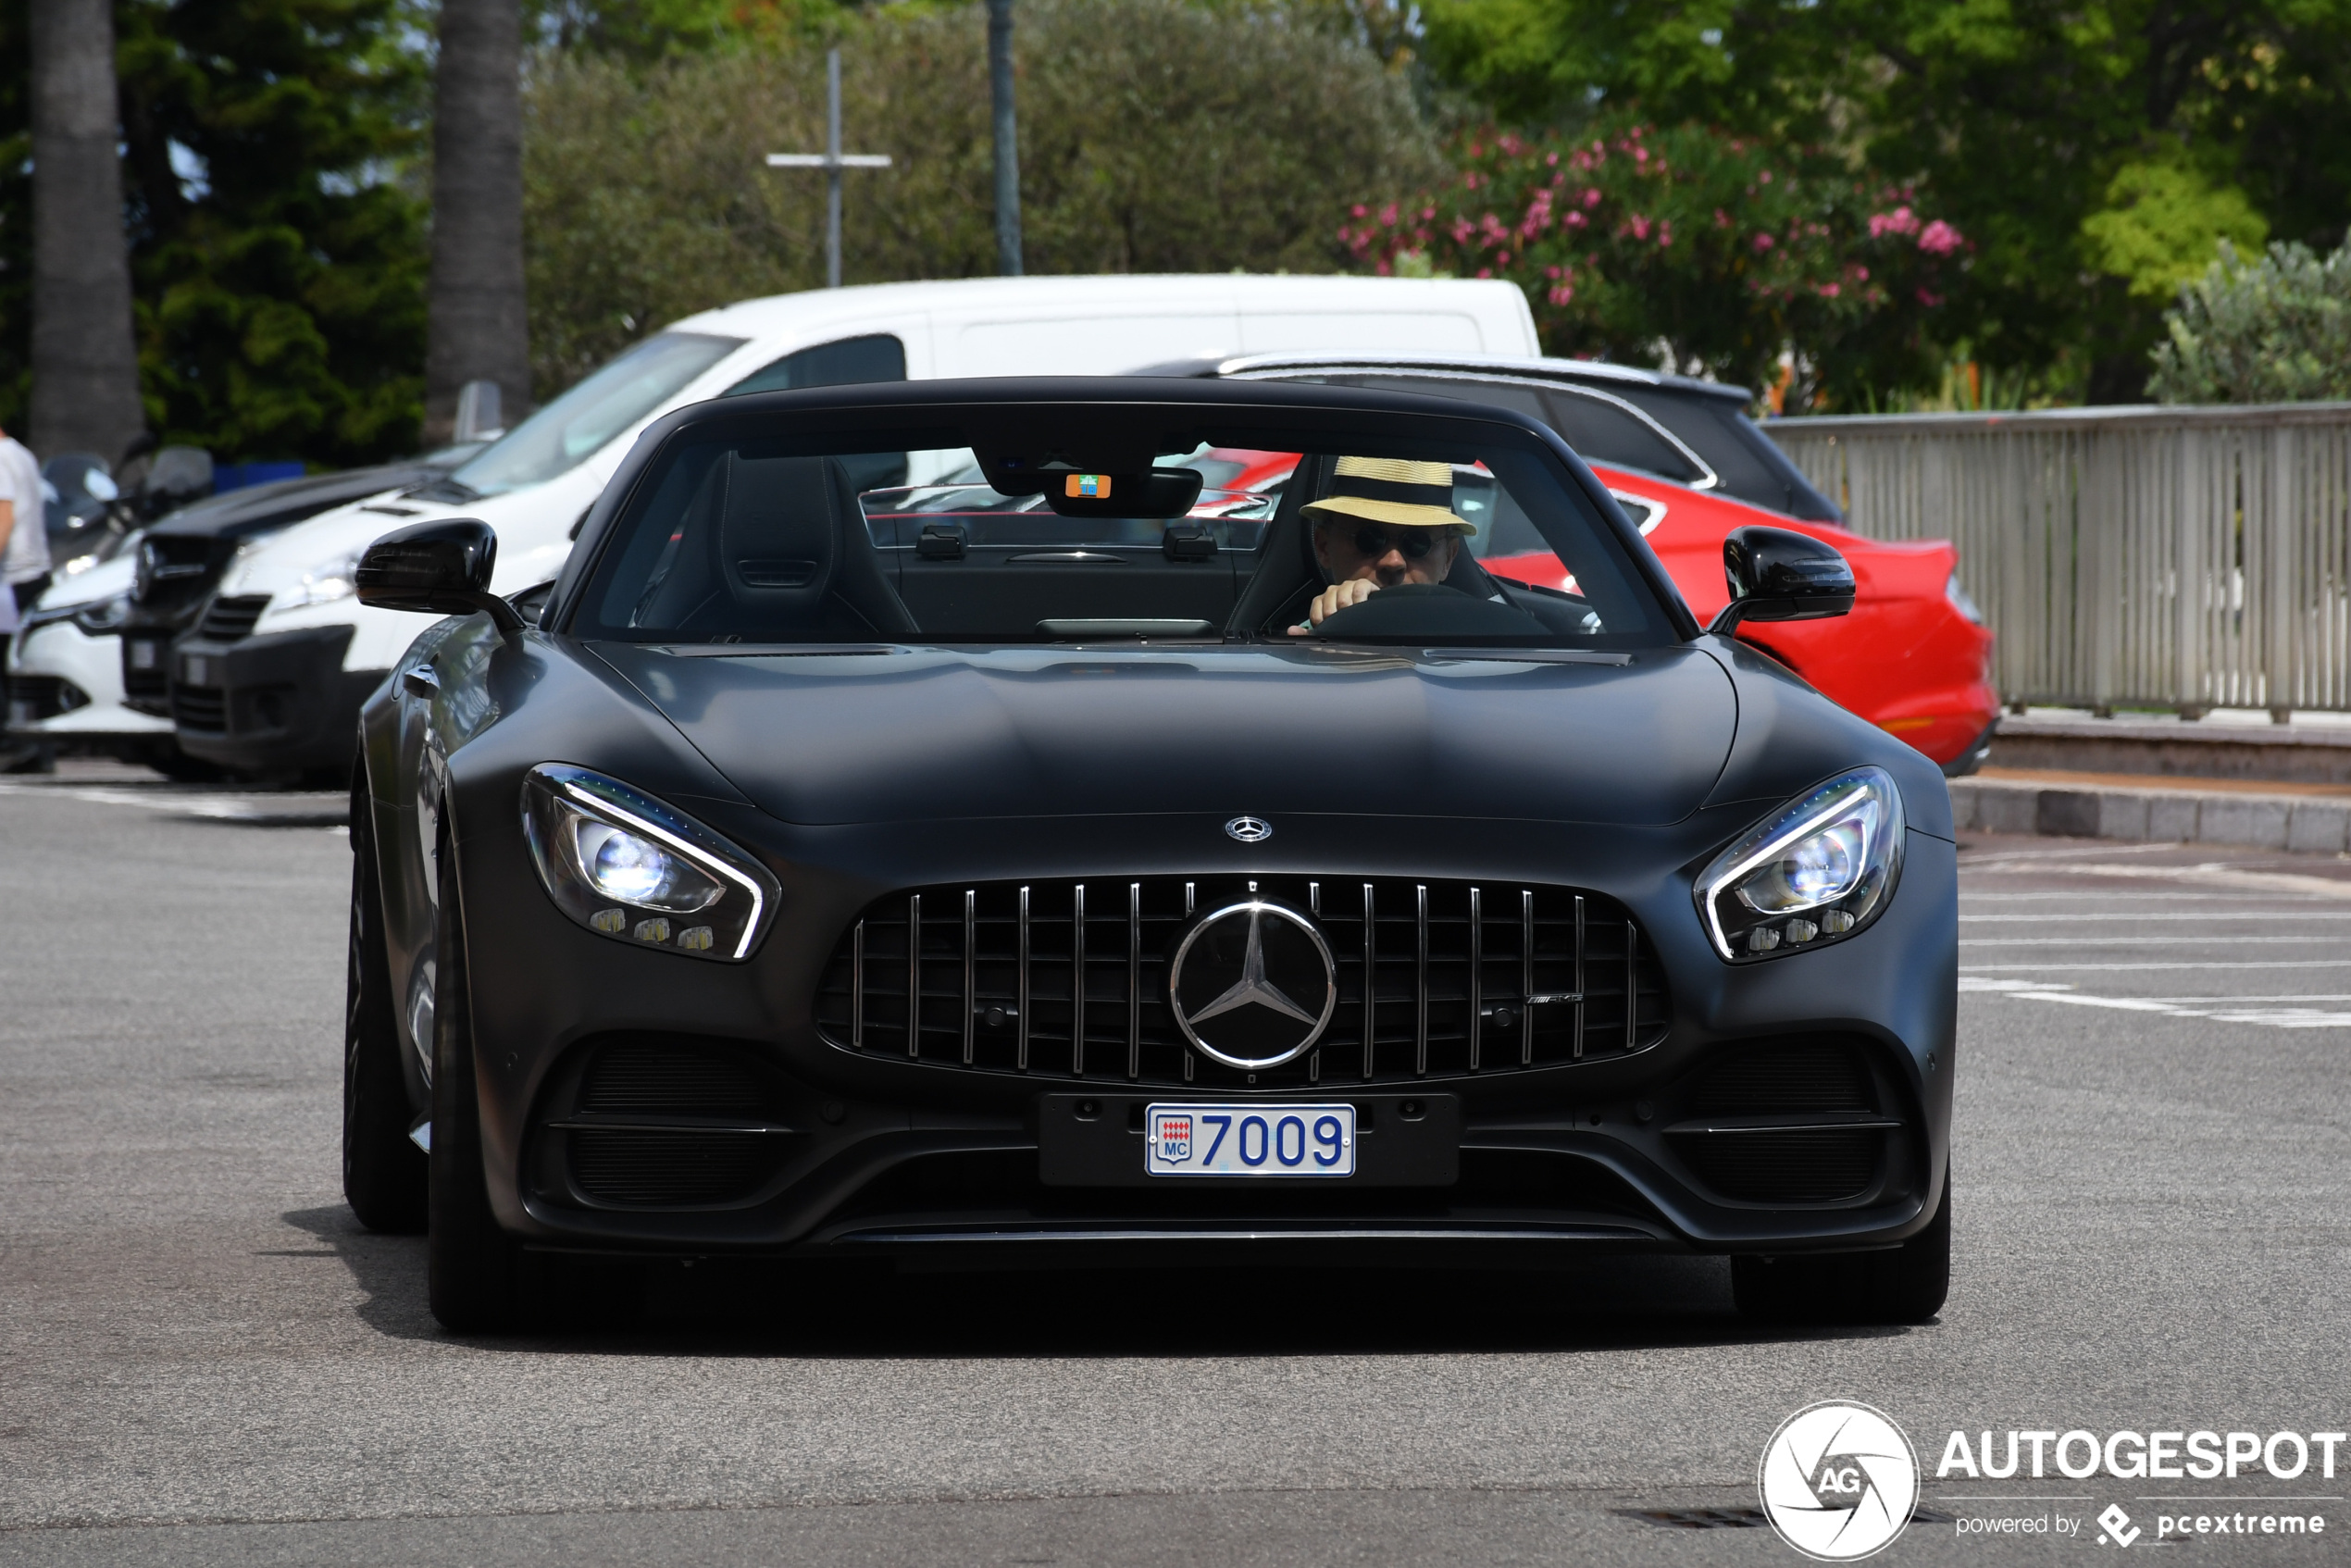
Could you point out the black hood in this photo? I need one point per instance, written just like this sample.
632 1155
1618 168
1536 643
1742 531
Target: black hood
280 503
924 734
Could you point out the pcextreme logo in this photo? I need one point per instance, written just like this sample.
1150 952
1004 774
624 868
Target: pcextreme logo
1839 1481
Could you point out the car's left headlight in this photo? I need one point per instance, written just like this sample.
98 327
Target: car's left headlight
628 866
1815 872
103 617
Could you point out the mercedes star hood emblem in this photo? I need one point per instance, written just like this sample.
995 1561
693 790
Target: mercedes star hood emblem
1262 980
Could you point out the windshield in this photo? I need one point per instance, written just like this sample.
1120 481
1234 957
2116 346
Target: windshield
585 418
1071 540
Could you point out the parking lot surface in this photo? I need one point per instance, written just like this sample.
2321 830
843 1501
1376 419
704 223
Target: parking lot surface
203 1359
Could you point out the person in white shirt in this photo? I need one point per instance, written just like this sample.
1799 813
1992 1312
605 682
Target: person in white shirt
24 568
24 560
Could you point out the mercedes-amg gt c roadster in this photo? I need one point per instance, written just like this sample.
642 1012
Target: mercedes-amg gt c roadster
926 822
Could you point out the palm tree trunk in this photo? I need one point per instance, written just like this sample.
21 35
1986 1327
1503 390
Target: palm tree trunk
476 328
85 366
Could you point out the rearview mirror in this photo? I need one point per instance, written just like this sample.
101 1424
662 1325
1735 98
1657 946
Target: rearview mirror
437 568
1780 575
1155 492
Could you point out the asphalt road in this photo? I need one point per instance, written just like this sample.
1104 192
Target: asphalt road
203 1359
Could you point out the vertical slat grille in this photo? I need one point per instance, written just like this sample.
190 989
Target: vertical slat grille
1134 979
1433 979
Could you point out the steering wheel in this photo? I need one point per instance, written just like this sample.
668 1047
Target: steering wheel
1417 610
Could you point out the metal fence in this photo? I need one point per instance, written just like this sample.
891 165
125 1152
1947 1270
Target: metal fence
2187 558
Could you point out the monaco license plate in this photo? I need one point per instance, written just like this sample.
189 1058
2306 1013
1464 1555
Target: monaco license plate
1249 1140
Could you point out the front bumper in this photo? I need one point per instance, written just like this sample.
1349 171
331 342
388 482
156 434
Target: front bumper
67 685
836 1153
279 703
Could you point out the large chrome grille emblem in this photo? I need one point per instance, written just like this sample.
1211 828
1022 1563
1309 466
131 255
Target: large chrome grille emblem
1254 985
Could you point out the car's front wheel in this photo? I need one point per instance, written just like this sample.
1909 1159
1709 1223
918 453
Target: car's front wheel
383 1171
475 1269
1905 1283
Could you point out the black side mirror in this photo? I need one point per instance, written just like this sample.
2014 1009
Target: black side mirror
438 568
1779 575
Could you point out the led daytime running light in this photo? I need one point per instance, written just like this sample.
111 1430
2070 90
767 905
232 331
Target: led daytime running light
1867 797
612 816
710 900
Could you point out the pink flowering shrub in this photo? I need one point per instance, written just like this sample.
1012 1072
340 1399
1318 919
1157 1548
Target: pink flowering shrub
1729 250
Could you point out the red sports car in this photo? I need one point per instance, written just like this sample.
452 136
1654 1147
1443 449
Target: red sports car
1914 658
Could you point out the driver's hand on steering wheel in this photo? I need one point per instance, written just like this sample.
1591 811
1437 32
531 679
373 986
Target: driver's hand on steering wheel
1332 600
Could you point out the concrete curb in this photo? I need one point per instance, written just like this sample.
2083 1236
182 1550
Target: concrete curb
2302 823
2314 753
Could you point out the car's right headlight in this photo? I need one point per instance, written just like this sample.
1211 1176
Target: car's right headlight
323 584
103 617
1815 872
628 866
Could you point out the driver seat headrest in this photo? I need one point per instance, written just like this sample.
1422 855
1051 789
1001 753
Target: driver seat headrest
779 532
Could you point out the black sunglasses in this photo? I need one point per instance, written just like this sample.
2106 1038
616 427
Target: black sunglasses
1376 541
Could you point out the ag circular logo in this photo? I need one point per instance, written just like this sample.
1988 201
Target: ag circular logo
1254 985
1250 829
1839 1481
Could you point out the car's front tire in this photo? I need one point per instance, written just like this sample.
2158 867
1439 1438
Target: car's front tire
1905 1284
383 1171
473 1269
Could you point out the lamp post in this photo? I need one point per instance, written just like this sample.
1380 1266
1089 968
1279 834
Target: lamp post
1000 83
832 160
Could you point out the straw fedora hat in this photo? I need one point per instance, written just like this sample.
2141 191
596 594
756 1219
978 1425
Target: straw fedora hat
1392 490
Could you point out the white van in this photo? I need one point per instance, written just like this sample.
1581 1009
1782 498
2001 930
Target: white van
272 678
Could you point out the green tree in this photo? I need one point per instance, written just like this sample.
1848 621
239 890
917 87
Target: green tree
15 213
1156 136
85 362
643 31
2162 224
279 265
2272 328
1718 248
2025 119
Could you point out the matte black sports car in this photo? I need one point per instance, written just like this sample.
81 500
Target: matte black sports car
924 820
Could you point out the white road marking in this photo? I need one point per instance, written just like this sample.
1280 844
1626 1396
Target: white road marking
2249 964
2225 1000
2103 897
221 807
2217 874
2026 855
2271 1015
2151 939
2298 914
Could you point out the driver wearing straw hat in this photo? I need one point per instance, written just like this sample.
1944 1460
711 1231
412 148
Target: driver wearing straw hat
1386 522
